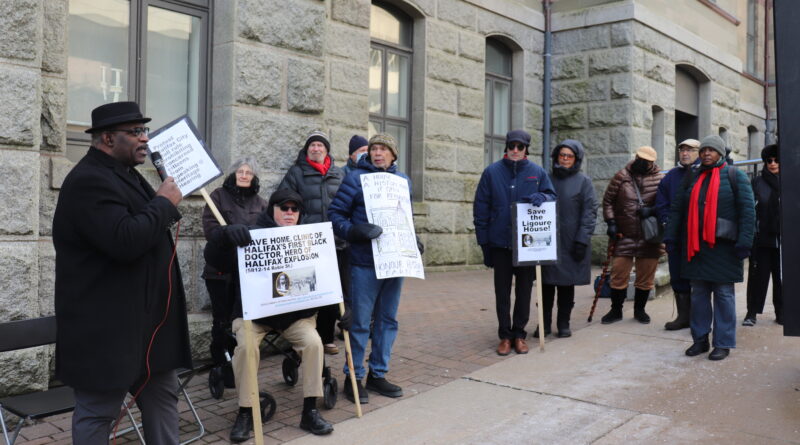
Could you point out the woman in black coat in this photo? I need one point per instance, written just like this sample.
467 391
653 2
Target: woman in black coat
766 257
239 203
576 209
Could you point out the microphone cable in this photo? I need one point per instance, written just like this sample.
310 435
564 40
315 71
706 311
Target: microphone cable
130 403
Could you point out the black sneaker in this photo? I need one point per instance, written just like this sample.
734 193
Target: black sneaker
719 354
749 319
383 387
363 397
242 426
312 421
698 347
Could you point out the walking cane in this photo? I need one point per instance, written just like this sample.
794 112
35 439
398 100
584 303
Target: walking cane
611 246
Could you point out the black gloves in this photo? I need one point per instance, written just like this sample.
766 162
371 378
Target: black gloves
346 321
742 252
420 246
487 255
536 199
364 232
646 212
578 251
612 229
237 234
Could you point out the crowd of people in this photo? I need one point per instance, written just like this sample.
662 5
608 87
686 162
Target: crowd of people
704 214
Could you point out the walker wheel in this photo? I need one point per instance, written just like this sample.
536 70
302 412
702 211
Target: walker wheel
216 382
267 406
330 391
289 369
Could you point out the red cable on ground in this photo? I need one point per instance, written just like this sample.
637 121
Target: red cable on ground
152 337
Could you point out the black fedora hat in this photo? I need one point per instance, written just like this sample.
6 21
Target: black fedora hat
114 113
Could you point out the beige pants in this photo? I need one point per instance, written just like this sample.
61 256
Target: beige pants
621 272
302 334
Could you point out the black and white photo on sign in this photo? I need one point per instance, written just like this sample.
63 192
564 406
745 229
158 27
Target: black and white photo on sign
387 202
184 155
278 270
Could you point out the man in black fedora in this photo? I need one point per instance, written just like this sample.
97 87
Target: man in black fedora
119 301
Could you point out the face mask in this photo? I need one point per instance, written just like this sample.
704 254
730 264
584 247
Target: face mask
640 166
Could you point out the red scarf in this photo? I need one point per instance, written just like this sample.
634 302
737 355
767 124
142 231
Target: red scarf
322 168
709 213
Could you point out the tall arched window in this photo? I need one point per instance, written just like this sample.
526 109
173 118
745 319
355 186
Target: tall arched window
497 105
390 76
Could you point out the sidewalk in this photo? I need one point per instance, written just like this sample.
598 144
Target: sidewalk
607 384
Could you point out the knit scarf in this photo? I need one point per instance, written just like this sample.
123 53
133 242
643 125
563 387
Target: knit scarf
709 213
320 167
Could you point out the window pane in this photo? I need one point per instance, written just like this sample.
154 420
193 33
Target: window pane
499 149
375 80
400 135
487 108
389 27
373 129
498 58
502 103
173 65
397 85
97 68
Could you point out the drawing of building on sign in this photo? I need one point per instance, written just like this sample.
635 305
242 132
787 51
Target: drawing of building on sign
398 234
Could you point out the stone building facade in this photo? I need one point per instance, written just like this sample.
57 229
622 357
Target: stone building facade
271 71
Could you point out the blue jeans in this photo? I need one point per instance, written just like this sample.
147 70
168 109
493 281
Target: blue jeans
382 297
723 313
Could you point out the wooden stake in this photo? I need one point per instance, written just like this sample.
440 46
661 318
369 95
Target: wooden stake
539 305
350 366
251 386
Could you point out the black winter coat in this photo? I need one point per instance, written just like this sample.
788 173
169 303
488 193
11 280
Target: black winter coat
113 248
576 209
317 190
767 216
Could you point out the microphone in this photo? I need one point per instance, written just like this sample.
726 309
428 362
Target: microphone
158 162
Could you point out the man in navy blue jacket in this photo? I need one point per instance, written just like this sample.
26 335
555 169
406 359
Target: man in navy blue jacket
370 296
511 179
687 158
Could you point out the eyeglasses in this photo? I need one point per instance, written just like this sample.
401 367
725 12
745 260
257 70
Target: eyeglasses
771 161
515 146
285 208
136 132
566 155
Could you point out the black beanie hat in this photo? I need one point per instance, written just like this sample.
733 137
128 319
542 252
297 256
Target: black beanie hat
357 142
318 136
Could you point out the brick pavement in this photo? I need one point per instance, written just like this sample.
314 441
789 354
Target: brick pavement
447 330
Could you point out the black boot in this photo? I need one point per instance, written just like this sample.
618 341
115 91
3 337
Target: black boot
383 386
617 299
565 305
683 302
639 302
547 314
311 420
700 346
242 426
363 397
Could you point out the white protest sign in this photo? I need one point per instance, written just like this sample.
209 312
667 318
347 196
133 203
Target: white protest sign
287 269
535 240
388 204
185 156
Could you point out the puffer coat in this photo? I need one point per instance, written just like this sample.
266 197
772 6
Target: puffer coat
620 204
317 190
720 263
576 208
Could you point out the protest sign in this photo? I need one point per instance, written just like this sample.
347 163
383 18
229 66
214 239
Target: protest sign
287 269
185 156
387 201
534 234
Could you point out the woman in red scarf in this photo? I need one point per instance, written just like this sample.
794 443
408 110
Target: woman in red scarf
711 226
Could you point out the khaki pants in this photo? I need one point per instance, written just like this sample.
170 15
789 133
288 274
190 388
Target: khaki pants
621 271
302 334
